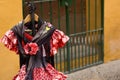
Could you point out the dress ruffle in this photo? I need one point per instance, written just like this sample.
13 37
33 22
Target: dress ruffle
58 40
41 74
21 74
10 40
49 74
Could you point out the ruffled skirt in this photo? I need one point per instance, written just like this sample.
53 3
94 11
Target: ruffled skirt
41 74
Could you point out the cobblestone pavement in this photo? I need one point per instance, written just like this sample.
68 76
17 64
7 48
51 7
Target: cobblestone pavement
107 71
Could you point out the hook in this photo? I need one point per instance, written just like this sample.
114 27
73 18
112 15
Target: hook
31 7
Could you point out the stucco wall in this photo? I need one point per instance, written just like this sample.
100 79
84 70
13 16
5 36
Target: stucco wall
112 30
10 14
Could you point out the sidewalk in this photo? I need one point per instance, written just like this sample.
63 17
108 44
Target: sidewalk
107 71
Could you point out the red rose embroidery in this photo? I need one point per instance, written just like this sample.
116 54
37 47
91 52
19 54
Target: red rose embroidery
31 48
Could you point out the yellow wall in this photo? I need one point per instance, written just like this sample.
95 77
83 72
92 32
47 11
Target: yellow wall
112 30
10 14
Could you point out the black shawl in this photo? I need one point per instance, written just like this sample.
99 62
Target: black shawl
42 38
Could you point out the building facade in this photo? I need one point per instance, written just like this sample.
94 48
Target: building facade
11 13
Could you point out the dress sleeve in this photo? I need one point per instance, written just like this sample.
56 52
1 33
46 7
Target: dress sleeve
10 41
58 40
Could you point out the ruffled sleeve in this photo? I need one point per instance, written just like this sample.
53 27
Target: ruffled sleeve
58 40
10 41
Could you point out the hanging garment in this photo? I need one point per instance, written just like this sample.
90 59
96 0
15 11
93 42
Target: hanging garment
36 50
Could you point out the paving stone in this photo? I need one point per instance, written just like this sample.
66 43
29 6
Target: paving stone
107 71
